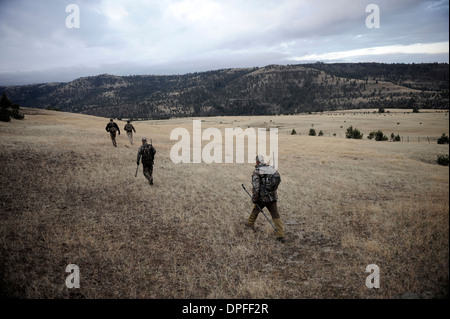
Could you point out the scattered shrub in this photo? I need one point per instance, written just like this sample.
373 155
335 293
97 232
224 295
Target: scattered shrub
442 160
395 138
16 114
353 133
312 132
293 132
378 136
443 139
320 133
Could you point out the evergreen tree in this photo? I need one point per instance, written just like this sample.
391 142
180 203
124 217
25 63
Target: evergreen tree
8 109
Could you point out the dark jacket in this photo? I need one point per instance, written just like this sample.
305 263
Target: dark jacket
111 125
147 160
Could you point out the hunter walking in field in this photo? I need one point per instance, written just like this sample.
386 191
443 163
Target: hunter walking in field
147 152
265 195
112 128
129 128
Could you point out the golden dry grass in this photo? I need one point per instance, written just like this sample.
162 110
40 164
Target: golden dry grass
69 197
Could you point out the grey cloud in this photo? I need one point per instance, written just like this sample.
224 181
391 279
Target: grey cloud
37 47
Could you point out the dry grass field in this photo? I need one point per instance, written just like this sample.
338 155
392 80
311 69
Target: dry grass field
69 197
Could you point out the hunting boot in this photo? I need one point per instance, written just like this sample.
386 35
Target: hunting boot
280 231
251 221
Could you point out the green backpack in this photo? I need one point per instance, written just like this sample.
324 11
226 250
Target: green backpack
270 178
148 154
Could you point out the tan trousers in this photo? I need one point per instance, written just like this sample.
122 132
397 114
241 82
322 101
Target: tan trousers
130 137
273 210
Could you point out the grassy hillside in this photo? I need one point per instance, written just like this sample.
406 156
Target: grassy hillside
270 90
423 76
69 197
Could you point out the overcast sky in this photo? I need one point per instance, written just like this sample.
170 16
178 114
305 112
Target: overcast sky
182 36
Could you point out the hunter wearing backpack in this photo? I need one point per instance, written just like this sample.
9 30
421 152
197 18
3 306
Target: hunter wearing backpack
112 128
265 181
147 152
129 128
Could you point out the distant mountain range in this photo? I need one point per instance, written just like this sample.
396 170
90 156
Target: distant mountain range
274 89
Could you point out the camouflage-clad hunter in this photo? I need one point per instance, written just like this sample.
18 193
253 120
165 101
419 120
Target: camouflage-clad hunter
112 128
147 152
129 128
264 198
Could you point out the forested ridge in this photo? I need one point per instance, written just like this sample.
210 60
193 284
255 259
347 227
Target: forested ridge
274 89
